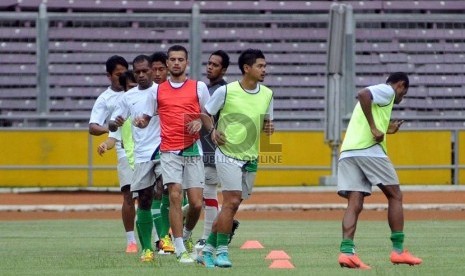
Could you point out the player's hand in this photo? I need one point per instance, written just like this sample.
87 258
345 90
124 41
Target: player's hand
141 121
394 126
378 135
218 137
102 148
194 126
268 127
119 120
112 126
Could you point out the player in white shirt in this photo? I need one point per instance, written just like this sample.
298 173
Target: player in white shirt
101 111
146 149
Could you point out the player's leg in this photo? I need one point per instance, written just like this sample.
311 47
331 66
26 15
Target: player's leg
210 199
352 185
172 171
143 181
231 178
156 212
128 213
193 179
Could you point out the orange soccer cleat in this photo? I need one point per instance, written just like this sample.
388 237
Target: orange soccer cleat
404 258
131 248
352 261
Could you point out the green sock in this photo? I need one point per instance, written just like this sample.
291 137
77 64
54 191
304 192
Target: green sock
223 240
397 238
156 216
144 228
347 246
212 240
165 216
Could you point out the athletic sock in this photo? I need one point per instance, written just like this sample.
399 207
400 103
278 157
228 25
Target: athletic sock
210 243
347 246
211 211
223 240
397 238
144 228
179 246
130 237
186 234
165 218
156 215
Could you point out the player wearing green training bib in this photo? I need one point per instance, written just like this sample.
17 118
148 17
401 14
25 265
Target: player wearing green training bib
245 109
363 162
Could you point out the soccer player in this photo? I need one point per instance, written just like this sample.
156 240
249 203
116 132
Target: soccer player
102 109
217 66
179 103
146 149
363 162
160 203
245 109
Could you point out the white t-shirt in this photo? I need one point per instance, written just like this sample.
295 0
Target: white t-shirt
382 95
102 110
146 140
218 98
202 93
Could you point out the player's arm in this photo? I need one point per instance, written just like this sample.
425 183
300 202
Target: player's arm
365 98
106 145
97 118
97 130
268 126
212 107
394 126
119 115
146 112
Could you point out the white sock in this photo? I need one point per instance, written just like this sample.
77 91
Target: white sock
186 234
210 202
179 246
210 214
130 237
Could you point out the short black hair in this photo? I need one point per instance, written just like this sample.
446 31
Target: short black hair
398 76
159 56
123 79
114 61
224 58
141 58
177 48
249 57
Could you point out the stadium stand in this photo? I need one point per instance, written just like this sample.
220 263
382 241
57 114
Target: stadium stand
431 51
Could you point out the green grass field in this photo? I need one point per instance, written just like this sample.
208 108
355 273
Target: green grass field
91 247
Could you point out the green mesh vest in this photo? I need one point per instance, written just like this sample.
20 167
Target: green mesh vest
128 143
241 119
358 134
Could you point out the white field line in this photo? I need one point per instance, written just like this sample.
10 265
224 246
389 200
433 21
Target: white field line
245 207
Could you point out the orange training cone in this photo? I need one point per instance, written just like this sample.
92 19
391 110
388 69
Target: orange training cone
284 264
252 245
277 255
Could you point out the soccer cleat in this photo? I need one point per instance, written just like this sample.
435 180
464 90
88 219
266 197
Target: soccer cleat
166 245
235 225
222 260
185 258
404 258
132 248
189 245
147 256
206 259
351 261
199 246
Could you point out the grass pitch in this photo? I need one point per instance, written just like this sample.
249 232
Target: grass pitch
93 247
